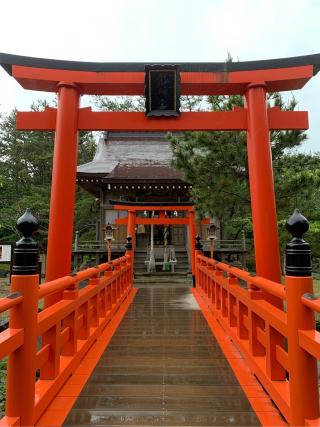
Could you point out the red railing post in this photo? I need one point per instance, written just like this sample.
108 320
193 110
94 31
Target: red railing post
303 372
22 363
130 257
196 249
95 302
192 237
132 234
71 322
232 302
108 274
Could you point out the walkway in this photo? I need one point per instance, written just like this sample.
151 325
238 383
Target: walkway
163 367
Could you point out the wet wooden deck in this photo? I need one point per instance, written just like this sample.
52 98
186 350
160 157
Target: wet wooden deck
163 367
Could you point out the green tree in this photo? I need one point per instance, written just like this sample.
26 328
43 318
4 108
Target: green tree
216 164
119 103
25 173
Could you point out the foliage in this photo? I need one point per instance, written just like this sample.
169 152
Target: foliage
216 164
137 103
25 174
119 103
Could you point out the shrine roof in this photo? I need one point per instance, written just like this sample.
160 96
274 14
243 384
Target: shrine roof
149 171
8 60
131 157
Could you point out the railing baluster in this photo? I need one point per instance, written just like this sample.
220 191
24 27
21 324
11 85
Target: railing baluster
303 372
286 341
83 332
71 321
22 362
231 301
274 369
255 324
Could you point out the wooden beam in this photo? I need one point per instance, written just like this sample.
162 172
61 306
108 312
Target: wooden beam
159 221
153 208
134 121
287 120
154 221
192 83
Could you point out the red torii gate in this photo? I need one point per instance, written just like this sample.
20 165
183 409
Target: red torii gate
132 219
253 79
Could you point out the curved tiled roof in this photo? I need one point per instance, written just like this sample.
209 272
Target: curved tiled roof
134 158
7 60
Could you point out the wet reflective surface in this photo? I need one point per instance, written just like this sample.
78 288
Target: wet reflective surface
163 367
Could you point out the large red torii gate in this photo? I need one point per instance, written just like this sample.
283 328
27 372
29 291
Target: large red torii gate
71 79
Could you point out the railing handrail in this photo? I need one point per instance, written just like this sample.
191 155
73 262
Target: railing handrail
274 288
10 301
109 284
66 281
259 329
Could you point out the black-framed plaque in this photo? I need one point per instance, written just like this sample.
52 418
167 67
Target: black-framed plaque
162 90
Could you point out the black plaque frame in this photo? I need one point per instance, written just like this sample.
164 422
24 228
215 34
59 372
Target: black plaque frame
171 94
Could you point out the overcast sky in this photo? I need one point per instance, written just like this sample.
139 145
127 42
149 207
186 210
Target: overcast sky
159 31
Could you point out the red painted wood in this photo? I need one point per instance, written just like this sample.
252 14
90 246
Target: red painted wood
192 83
155 221
266 245
159 221
117 121
152 208
63 188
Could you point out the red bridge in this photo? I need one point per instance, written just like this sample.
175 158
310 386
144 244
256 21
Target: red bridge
102 352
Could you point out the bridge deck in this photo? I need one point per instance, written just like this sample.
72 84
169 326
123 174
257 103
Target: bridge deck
163 367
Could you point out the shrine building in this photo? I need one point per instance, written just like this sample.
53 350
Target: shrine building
136 167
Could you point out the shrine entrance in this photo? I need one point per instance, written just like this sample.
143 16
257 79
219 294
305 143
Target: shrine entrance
159 215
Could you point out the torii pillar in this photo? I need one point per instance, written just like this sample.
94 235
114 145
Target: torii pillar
263 205
131 226
62 204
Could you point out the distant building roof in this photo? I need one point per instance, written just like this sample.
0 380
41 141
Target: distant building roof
131 156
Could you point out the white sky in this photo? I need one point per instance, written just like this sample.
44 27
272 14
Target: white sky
158 31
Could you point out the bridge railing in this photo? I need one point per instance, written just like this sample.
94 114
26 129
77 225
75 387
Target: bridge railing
44 348
280 344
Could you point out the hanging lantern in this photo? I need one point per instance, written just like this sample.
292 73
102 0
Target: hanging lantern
109 230
211 235
211 232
